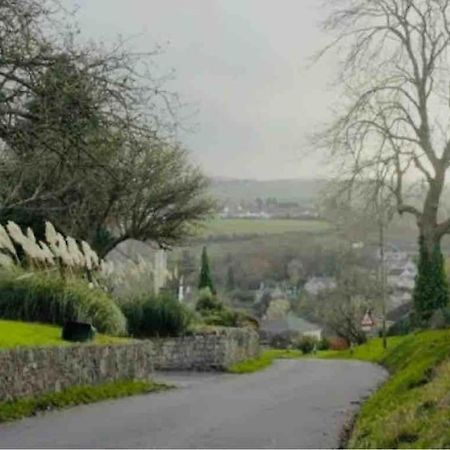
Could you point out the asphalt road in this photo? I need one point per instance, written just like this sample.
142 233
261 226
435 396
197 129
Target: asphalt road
293 404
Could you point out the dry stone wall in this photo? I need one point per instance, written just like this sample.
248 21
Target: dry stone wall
31 371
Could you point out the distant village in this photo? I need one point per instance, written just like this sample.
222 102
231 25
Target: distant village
269 208
401 272
400 275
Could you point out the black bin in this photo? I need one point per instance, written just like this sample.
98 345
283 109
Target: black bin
78 332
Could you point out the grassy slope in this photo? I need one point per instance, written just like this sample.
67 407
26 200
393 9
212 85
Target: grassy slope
412 409
19 334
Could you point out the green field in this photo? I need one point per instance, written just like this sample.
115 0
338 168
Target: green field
261 226
23 334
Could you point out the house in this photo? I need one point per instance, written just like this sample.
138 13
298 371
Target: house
401 272
290 324
317 284
368 323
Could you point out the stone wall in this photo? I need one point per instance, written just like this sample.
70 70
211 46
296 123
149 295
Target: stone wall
30 371
215 350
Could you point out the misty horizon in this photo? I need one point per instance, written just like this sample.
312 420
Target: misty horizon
244 67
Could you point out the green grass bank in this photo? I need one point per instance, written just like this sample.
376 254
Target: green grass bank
23 334
77 395
412 408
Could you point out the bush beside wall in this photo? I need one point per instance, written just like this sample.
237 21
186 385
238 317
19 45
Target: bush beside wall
156 316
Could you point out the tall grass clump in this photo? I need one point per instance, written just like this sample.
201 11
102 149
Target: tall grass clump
157 316
44 297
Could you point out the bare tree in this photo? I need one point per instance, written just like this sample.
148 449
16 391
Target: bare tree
362 211
355 294
393 121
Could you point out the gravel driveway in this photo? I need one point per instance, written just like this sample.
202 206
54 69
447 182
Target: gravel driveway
293 404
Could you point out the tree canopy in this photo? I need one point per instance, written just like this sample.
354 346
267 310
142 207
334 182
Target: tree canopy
89 136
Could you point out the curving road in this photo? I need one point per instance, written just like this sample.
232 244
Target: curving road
293 404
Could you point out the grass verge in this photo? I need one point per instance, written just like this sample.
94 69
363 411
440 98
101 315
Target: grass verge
372 351
23 334
263 361
77 395
412 408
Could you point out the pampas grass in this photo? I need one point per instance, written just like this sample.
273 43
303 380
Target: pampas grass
56 251
47 298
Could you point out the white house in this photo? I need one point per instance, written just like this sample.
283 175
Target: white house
317 284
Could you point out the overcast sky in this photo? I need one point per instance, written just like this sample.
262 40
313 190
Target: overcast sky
244 65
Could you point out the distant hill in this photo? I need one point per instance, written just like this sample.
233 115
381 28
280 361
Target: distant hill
298 190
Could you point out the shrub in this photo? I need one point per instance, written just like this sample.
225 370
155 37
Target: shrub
283 340
338 343
157 316
307 344
246 320
224 318
401 327
41 297
207 302
440 319
214 312
324 344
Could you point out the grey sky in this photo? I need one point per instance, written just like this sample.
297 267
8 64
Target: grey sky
244 65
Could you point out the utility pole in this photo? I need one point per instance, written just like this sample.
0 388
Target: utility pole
381 268
383 284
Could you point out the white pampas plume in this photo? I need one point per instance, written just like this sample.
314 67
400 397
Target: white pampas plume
49 256
87 254
52 239
5 260
5 241
63 251
30 235
31 249
75 253
95 258
16 233
27 242
50 234
29 246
